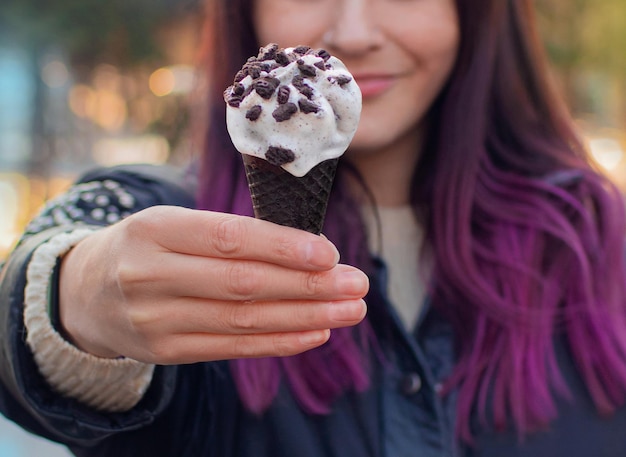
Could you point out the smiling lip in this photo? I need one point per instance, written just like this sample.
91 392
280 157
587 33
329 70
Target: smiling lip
374 85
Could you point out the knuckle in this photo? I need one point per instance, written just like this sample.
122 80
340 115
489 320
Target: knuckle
127 277
161 352
140 224
313 284
244 347
242 318
227 235
284 247
142 320
282 346
276 345
242 280
126 273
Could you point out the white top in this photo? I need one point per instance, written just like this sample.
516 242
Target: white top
398 245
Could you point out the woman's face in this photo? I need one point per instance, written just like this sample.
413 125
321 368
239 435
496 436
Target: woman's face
400 52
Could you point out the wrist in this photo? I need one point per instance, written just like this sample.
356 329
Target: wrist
73 323
103 383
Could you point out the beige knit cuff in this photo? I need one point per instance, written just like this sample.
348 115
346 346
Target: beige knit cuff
112 385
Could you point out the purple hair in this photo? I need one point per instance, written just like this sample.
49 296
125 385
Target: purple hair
527 238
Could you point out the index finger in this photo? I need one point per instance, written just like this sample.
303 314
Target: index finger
229 236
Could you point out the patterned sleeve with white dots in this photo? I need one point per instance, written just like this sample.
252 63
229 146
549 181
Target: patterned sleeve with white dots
111 385
91 203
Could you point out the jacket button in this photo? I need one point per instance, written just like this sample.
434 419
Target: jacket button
411 384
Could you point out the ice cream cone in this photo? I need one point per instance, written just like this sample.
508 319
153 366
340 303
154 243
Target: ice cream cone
280 197
292 113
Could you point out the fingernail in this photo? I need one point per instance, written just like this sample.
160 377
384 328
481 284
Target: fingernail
347 311
353 282
316 337
321 254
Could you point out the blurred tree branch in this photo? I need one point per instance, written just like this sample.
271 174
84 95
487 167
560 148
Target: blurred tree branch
121 32
587 34
585 40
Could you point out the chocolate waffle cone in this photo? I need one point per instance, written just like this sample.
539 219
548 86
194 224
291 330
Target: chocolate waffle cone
280 197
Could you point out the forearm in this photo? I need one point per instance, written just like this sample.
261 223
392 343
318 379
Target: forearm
105 384
25 396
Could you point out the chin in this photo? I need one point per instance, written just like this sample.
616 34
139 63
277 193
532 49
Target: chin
364 148
371 138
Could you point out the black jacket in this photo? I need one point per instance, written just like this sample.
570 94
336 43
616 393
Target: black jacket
193 410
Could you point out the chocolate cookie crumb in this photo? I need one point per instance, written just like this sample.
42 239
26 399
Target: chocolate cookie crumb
284 112
254 113
304 89
342 80
253 70
307 91
234 101
302 50
281 58
265 87
240 75
320 64
279 156
298 81
307 106
238 89
307 70
283 95
268 52
324 54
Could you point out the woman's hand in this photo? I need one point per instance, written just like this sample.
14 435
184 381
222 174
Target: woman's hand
170 285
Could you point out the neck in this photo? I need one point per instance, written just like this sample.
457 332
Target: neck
388 171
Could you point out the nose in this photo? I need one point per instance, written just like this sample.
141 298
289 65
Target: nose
354 30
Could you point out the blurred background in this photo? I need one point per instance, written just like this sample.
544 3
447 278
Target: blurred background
88 82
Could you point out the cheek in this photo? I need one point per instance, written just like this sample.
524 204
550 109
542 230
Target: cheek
385 122
433 51
400 111
430 35
439 55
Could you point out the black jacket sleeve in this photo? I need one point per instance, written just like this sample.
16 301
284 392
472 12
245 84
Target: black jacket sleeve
99 198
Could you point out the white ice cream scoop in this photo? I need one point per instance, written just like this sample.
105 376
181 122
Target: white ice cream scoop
294 107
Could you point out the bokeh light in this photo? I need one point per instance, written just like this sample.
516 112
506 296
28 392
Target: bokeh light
175 79
162 82
14 190
82 100
153 149
608 152
55 74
